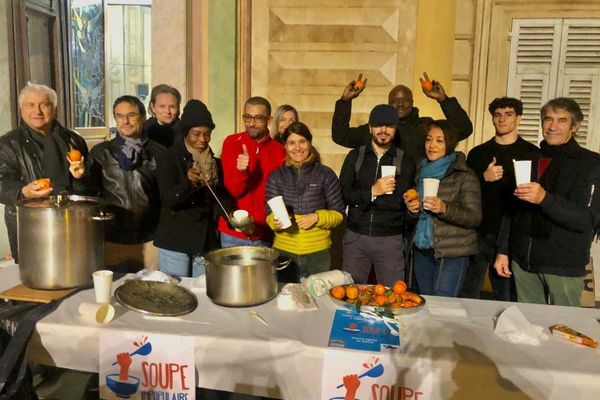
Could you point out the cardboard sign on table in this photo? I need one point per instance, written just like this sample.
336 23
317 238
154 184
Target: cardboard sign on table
370 376
140 365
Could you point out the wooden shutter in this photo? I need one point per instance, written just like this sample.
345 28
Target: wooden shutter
532 74
579 75
551 58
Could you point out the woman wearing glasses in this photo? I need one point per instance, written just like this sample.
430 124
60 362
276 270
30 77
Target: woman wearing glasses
284 116
312 193
187 227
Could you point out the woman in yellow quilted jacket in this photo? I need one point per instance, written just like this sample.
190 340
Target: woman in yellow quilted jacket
312 194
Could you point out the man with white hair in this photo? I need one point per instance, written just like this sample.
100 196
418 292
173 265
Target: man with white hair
38 148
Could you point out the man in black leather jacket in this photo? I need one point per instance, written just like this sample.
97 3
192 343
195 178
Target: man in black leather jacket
411 131
122 174
37 149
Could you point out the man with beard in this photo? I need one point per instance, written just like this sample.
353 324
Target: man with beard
553 225
492 162
37 149
376 209
410 128
248 158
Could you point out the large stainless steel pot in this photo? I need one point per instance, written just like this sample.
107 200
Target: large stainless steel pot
61 241
242 276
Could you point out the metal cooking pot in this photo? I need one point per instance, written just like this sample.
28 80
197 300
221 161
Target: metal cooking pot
242 276
61 240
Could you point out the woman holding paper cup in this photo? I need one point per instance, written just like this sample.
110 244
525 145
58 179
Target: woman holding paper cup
187 227
312 194
448 210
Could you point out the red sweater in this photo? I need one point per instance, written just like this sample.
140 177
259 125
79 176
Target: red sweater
248 187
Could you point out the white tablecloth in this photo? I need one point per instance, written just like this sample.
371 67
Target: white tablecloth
235 352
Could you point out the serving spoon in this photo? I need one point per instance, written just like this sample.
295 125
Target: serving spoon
235 223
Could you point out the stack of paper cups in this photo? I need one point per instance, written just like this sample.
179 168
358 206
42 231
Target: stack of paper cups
280 212
388 170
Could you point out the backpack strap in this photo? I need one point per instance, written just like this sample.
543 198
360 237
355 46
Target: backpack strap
359 160
398 160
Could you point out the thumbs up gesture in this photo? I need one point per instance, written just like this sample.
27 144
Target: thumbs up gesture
243 159
493 172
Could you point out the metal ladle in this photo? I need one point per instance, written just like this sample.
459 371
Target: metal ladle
235 223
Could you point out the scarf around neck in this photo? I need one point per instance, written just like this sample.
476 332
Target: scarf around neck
429 169
130 150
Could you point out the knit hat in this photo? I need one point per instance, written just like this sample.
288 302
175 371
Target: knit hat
383 114
195 114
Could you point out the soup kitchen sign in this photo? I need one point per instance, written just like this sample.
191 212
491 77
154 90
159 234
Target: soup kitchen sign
139 366
349 375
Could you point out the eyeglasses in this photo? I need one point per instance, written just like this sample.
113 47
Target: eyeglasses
128 116
256 118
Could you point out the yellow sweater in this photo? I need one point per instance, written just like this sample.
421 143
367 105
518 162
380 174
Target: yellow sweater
300 241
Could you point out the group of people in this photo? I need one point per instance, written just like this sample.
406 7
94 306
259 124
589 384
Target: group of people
172 198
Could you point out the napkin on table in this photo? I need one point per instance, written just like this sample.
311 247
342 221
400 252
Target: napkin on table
512 326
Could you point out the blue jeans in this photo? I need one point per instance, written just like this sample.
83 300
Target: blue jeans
178 264
231 241
439 276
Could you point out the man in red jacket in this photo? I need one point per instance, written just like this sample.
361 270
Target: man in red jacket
248 158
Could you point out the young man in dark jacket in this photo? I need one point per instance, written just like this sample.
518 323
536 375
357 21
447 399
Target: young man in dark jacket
410 128
376 209
492 162
552 228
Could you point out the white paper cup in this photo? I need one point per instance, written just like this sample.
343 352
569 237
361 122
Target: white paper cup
430 187
388 170
99 313
278 207
522 171
102 285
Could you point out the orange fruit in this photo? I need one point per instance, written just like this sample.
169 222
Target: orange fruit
427 85
410 194
379 289
381 299
43 183
352 292
338 292
358 85
399 287
74 155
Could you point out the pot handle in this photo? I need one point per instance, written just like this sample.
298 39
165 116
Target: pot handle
102 216
283 264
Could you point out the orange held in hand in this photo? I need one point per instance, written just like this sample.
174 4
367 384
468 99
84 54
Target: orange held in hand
358 85
338 292
74 155
410 195
426 85
43 183
399 287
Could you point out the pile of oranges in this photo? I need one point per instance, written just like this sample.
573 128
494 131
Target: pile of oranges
377 295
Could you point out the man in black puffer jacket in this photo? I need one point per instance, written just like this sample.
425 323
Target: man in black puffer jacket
411 129
552 228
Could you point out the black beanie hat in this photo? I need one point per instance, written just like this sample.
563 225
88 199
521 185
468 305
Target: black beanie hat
383 114
195 114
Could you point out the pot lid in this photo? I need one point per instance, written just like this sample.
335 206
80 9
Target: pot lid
156 298
60 201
